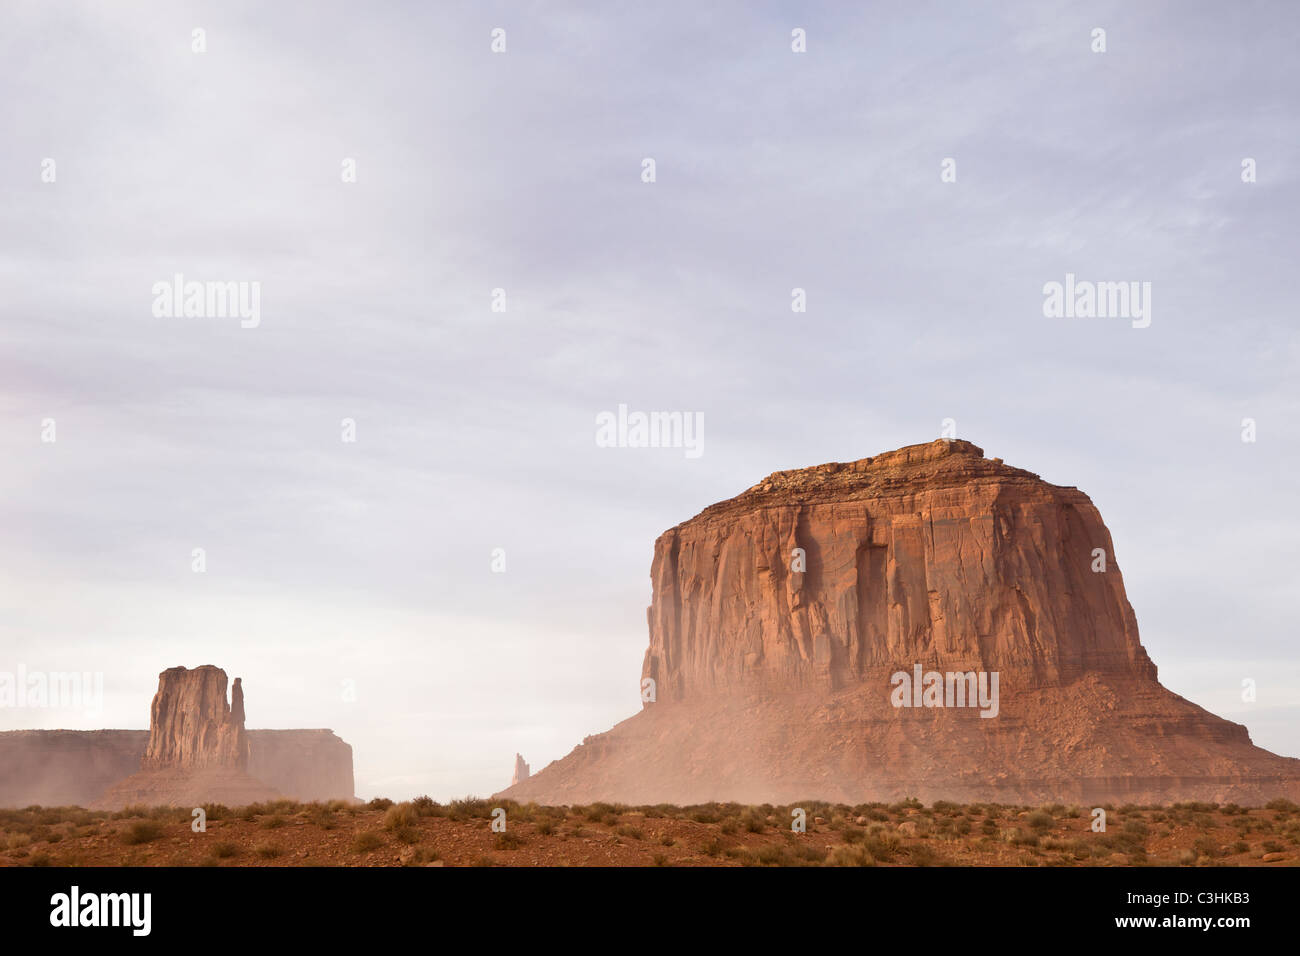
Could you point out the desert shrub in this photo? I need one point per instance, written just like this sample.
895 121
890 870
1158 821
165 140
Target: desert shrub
922 854
605 812
778 854
322 816
399 815
848 855
225 850
1281 803
508 841
379 803
1205 846
471 808
882 846
629 831
273 823
1040 820
660 859
142 831
366 841
1135 829
426 806
546 828
267 850
1023 838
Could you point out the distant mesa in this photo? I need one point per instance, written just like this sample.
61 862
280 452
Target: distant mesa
196 751
781 617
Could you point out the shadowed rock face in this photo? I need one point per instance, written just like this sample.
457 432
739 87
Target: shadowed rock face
780 615
191 726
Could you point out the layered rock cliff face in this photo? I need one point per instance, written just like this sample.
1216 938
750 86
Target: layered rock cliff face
191 726
198 751
930 554
779 618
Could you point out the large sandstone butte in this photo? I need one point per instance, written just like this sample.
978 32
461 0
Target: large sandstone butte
772 674
197 750
191 726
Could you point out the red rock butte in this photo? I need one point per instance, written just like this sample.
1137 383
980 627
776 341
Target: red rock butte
197 750
780 616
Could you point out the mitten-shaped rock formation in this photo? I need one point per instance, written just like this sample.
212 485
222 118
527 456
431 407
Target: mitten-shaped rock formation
197 751
191 726
781 617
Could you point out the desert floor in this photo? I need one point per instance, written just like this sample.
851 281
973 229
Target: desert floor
425 833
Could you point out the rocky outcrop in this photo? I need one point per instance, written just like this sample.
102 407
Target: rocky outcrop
780 618
930 554
521 770
197 750
191 726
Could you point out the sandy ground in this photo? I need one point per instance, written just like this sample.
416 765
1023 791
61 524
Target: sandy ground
461 834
